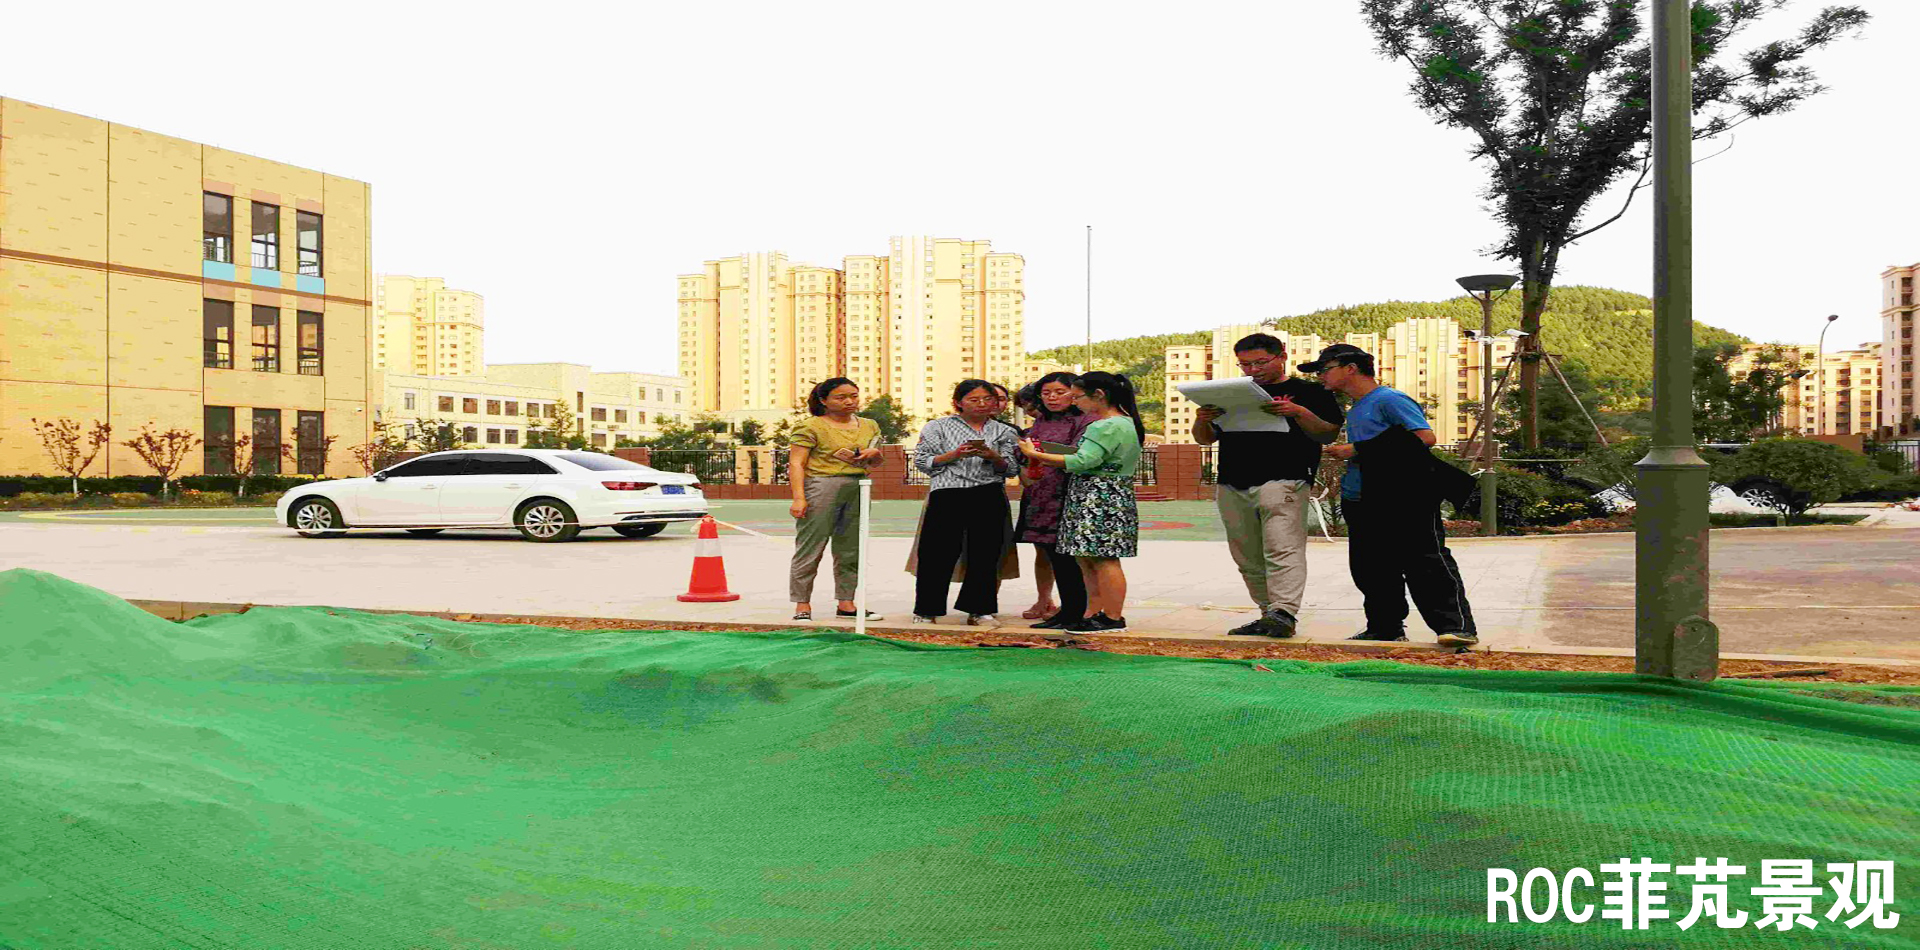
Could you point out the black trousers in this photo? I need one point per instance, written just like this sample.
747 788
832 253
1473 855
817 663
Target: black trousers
1397 549
1067 577
973 520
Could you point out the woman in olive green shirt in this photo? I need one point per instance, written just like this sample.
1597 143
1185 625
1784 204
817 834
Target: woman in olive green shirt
828 455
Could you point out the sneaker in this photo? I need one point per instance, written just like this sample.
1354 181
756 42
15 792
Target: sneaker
1114 624
1400 637
1098 623
1055 622
918 620
1459 638
854 614
982 620
1283 623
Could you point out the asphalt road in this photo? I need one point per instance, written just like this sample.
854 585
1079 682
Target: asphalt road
1838 592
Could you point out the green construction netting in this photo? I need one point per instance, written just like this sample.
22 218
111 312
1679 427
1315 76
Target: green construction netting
310 778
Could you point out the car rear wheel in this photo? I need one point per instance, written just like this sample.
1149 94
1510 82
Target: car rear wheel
317 518
640 530
546 520
424 532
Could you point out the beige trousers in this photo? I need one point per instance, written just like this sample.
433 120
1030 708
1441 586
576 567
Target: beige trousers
833 513
1267 535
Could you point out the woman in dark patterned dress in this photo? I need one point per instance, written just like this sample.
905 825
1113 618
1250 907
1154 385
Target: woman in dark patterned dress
1100 524
1043 499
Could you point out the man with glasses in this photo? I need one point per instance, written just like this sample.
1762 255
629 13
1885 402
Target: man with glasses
1390 497
1264 480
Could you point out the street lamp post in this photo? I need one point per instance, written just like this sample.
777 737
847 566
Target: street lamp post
1820 381
1481 287
1672 636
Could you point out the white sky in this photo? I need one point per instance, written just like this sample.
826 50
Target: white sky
1236 161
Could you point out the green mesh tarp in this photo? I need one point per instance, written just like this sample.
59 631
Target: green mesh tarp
307 778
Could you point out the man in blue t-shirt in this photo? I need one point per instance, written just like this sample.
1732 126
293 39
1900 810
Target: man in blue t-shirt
1395 545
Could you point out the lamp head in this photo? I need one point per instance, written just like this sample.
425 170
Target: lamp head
1832 317
1486 283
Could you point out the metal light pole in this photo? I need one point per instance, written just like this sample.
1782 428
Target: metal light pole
1820 381
1672 636
1481 287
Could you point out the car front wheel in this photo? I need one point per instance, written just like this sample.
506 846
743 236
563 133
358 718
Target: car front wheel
317 518
639 530
547 520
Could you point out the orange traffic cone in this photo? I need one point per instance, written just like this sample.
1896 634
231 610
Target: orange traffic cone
709 582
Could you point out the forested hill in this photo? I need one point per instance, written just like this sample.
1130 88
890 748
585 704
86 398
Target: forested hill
1610 332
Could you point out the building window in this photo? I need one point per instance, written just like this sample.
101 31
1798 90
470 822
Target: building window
493 436
407 400
266 441
599 414
216 322
312 436
446 403
266 236
676 395
513 436
308 238
600 439
513 408
493 407
216 227
312 356
266 339
217 453
470 434
470 406
553 410
619 415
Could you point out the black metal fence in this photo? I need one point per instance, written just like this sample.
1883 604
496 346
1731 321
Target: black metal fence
711 466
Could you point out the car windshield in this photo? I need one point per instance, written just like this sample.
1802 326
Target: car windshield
599 463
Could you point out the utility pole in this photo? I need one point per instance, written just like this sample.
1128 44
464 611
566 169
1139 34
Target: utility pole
1672 635
1481 287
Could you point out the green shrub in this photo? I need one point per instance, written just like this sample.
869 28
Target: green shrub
1524 499
38 499
1813 473
206 498
1894 488
131 499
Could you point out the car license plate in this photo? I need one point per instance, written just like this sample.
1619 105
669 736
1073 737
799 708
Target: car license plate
673 489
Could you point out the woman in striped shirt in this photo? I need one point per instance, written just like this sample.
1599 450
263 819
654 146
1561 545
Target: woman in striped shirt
968 456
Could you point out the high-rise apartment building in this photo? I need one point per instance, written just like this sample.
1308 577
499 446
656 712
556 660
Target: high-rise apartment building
757 332
115 308
1839 395
423 327
1897 410
1429 359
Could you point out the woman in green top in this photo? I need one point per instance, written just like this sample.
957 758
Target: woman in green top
1100 524
828 455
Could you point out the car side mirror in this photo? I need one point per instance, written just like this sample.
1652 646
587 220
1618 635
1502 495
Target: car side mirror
380 476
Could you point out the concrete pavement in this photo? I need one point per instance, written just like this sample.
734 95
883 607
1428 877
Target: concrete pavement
1821 592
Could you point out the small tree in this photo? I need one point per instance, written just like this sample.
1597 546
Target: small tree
751 433
894 420
164 452
290 451
72 449
385 449
434 436
1558 98
243 462
1729 408
1812 473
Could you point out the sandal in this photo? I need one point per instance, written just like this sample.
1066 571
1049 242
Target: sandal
803 615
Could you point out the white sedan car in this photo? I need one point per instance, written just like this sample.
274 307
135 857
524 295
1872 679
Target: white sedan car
548 494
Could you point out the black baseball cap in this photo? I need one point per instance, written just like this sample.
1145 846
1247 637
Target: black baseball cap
1338 354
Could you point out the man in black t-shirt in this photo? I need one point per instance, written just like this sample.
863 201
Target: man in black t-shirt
1264 479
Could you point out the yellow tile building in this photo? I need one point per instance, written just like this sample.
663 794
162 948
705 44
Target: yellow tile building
1427 358
756 332
146 280
498 406
423 327
1897 410
1840 395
